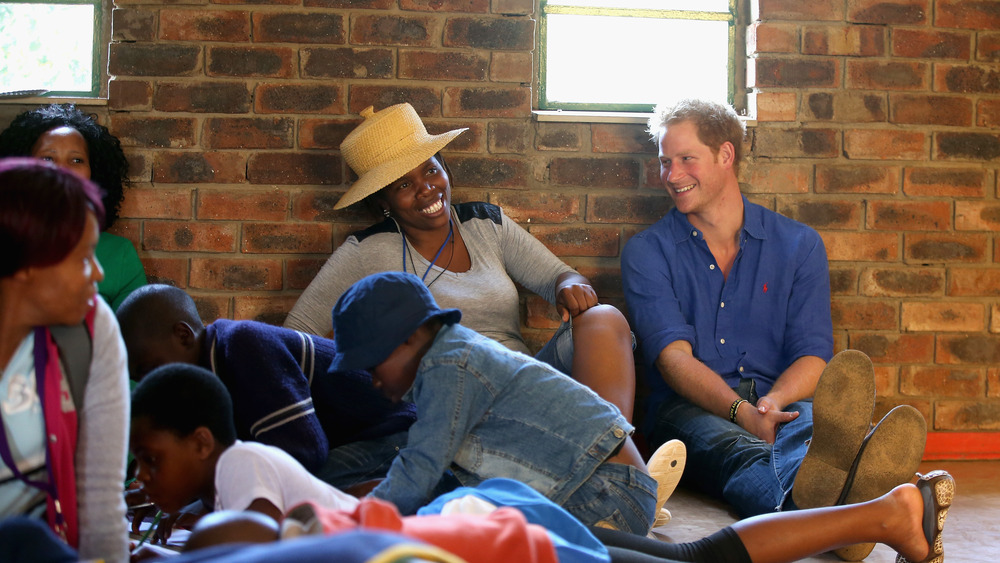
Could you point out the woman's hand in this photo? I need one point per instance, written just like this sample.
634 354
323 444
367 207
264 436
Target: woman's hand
574 297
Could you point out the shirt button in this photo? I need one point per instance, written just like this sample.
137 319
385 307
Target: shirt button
694 233
619 433
52 438
711 266
722 341
723 305
741 369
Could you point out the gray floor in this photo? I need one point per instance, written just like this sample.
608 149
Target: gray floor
971 533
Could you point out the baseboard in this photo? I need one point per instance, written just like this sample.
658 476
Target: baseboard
962 445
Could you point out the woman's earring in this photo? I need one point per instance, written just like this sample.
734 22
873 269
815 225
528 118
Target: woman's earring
386 213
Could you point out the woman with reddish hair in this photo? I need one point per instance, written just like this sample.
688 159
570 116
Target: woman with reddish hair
63 399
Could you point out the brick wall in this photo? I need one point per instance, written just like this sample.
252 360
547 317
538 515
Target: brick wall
876 124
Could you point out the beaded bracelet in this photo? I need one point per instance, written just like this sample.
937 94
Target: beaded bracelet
735 407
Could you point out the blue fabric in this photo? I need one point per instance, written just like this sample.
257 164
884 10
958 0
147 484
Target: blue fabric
284 397
773 309
573 541
29 540
729 463
486 411
558 351
345 547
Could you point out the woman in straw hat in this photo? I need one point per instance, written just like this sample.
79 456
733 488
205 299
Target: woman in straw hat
470 255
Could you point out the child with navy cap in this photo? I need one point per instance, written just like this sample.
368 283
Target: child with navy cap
485 411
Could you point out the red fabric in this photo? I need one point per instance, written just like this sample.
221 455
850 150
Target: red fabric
499 537
62 452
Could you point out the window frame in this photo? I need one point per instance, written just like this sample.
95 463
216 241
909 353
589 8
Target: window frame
733 67
101 41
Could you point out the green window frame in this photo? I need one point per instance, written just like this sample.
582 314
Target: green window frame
12 45
592 8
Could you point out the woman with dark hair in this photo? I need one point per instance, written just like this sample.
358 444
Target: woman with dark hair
73 140
63 407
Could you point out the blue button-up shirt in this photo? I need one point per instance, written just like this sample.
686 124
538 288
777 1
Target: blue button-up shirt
485 411
773 309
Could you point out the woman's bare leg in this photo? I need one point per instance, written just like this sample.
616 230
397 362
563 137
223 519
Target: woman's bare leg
894 519
602 356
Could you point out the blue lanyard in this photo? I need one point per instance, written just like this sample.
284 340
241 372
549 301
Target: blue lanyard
451 232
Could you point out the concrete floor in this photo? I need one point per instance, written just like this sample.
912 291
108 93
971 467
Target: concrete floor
971 533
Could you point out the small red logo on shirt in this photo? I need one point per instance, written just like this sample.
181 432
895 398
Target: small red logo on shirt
765 288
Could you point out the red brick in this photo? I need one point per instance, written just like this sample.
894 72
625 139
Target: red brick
514 7
930 110
977 216
317 205
299 272
864 247
500 34
922 44
966 415
243 205
427 101
508 137
311 28
864 314
909 215
988 47
299 98
539 313
606 280
894 348
249 133
643 209
299 238
133 24
511 67
130 94
559 136
852 107
886 381
443 65
269 309
136 59
171 271
157 203
475 6
889 12
200 24
988 113
891 75
211 307
354 4
778 178
579 241
202 97
857 179
774 106
887 144
470 141
345 62
174 236
993 382
487 102
620 138
489 172
594 172
534 208
944 248
974 282
236 274
294 168
902 282
797 10
199 167
967 79
771 72
317 133
273 62
822 214
409 31
935 381
943 317
132 230
966 146
995 324
153 132
968 349
797 143
969 14
944 182
844 40
772 37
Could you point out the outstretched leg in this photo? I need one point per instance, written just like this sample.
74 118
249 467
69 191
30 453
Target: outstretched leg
602 356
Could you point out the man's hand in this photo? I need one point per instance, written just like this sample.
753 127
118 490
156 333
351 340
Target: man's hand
574 298
763 423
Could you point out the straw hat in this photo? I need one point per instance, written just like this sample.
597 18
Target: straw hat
386 146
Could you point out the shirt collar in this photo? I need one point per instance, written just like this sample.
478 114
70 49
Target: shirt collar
753 223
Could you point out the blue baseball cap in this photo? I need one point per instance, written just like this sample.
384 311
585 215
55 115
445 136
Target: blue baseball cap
377 314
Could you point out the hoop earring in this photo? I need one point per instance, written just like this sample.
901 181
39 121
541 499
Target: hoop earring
386 213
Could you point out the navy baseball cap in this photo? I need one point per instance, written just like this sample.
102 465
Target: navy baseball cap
377 314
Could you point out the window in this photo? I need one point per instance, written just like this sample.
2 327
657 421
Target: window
629 55
54 46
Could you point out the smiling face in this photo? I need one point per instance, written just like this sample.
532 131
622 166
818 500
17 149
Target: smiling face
64 292
696 177
171 468
421 198
66 148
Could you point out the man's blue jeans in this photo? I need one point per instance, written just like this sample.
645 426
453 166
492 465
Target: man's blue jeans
729 463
